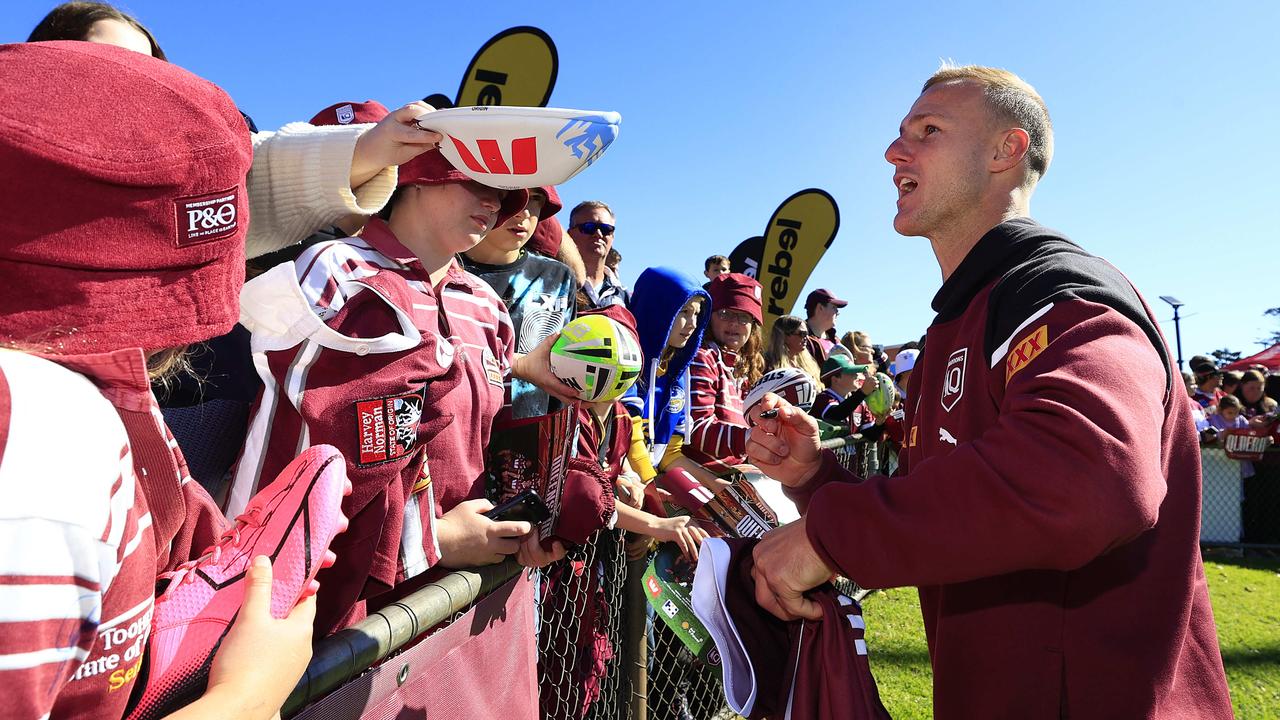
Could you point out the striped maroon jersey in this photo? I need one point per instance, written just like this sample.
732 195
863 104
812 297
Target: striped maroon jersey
79 562
356 349
719 430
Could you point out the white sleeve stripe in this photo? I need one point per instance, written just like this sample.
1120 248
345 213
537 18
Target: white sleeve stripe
1003 350
23 661
475 321
144 522
27 603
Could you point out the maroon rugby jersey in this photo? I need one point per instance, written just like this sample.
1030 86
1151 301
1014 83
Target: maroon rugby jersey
801 670
1047 504
356 349
719 430
86 527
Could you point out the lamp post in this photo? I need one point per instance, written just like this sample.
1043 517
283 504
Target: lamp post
1177 328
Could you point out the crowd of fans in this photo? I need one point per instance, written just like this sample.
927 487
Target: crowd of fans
383 281
1232 400
394 309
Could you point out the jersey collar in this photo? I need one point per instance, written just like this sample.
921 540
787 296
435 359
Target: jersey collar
1001 248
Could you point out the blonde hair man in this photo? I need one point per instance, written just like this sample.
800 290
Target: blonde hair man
1046 506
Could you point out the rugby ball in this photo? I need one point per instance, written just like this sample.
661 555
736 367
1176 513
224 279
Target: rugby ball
522 147
598 357
881 401
792 384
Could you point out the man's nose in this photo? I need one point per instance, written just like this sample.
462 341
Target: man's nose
896 153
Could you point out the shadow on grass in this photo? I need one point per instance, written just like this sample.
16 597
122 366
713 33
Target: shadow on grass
1239 658
1247 657
1250 559
899 656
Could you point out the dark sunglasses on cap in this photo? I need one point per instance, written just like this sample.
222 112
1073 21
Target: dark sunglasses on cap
590 228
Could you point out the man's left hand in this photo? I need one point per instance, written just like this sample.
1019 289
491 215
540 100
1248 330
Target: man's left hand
535 367
787 566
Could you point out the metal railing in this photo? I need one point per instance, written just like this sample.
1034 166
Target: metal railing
601 654
346 654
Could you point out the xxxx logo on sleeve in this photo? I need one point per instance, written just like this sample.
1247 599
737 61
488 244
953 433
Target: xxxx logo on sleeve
1026 351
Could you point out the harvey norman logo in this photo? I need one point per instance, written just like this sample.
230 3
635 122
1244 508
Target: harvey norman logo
205 218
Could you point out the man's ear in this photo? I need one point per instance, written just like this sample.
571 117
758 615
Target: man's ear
1011 148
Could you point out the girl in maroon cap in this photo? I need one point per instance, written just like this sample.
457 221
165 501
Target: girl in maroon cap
383 346
728 362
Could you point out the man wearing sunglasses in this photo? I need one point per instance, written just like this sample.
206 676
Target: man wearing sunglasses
591 226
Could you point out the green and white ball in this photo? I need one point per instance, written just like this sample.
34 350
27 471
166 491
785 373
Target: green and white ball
596 356
881 401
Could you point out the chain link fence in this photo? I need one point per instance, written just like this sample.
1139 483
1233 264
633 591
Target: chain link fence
1240 505
603 655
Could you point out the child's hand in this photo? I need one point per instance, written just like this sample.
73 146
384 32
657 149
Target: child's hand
630 489
533 555
870 381
262 657
469 539
682 531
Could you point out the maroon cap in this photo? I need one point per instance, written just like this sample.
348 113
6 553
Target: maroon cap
618 314
351 113
735 291
125 218
823 295
546 238
432 168
586 502
552 205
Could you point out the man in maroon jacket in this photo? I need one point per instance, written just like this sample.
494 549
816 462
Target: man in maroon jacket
1047 506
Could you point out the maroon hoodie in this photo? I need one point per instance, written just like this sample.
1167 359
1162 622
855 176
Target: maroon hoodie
1048 506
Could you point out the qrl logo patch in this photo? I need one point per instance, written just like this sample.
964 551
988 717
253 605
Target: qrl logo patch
953 379
524 156
387 427
205 218
1026 351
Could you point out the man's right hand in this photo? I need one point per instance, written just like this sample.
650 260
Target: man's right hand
785 447
469 539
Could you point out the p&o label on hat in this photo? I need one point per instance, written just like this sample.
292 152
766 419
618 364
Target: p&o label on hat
205 218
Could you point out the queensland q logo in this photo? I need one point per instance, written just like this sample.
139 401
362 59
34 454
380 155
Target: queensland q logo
953 379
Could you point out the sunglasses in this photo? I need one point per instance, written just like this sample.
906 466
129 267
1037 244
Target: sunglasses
590 228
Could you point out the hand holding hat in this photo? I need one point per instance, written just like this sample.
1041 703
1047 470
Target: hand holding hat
395 140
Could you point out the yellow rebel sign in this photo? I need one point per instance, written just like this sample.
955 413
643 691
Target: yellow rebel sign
799 232
516 67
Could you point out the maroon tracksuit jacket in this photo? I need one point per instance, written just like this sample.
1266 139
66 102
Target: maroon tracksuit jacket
1048 506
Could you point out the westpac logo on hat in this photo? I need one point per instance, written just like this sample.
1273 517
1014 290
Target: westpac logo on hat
205 218
524 156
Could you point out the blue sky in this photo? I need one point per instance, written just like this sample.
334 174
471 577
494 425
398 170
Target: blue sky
1165 155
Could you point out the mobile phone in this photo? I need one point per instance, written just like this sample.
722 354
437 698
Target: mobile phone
526 506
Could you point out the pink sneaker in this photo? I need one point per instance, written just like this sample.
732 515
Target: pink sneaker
292 521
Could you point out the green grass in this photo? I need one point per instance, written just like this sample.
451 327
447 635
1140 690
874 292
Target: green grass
1246 605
